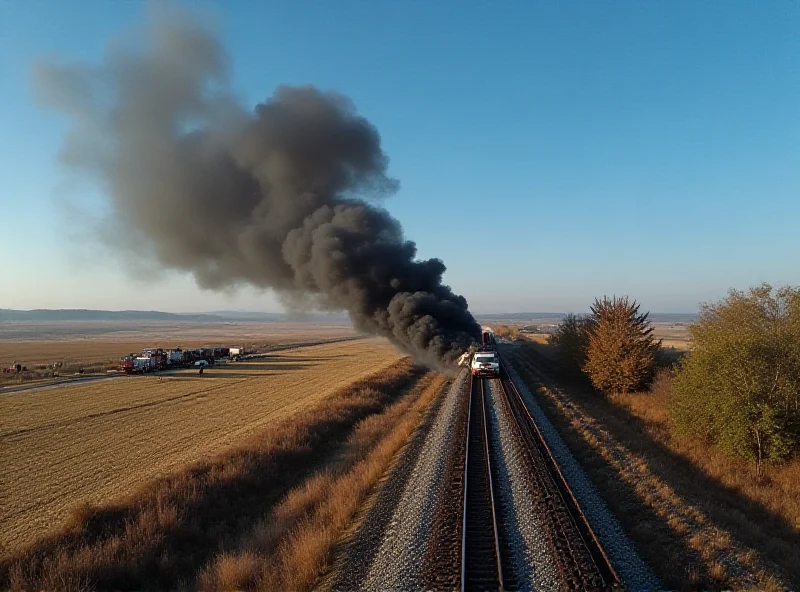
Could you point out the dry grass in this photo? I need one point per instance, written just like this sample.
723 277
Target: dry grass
87 443
700 519
535 337
165 533
680 345
776 495
291 548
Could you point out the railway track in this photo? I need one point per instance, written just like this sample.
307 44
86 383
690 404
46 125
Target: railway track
580 560
481 561
483 503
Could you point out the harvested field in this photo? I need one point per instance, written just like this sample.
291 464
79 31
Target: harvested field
677 344
95 342
261 514
88 443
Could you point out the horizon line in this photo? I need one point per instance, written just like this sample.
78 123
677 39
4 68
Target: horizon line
321 312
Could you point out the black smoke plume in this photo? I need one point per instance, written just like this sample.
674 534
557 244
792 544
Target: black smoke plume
274 197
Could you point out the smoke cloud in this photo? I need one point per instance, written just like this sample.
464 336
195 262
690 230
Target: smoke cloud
280 197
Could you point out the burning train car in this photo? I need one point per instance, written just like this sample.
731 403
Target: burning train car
488 340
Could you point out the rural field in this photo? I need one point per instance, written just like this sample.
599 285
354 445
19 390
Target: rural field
89 443
672 335
102 341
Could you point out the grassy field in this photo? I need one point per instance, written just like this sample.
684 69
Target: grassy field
79 444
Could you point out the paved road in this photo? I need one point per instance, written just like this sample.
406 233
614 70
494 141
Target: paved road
38 386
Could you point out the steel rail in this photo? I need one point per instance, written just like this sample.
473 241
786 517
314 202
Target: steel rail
604 576
479 503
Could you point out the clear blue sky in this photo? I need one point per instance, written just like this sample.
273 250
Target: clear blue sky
549 152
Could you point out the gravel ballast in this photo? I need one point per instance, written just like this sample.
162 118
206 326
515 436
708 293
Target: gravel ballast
397 561
635 573
388 552
533 565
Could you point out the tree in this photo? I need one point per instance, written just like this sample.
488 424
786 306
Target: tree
507 331
740 385
571 340
621 352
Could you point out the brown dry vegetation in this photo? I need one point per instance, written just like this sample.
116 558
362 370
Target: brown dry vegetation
699 518
292 548
228 521
88 443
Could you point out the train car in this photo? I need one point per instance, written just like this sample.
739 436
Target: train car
191 355
488 340
127 364
158 357
133 364
221 352
175 357
145 364
207 354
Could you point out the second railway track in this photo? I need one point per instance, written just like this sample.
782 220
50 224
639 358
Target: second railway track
580 560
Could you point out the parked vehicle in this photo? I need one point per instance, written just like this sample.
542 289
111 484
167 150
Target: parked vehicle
485 363
154 359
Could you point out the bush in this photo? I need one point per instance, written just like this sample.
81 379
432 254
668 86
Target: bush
571 340
740 385
621 352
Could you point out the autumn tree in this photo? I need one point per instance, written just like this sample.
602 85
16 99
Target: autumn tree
621 351
507 331
740 385
571 339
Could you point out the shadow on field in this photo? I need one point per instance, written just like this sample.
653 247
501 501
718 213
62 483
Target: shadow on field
668 553
251 371
163 535
311 358
238 371
255 366
268 358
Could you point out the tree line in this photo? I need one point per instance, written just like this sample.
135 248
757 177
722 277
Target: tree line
739 385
